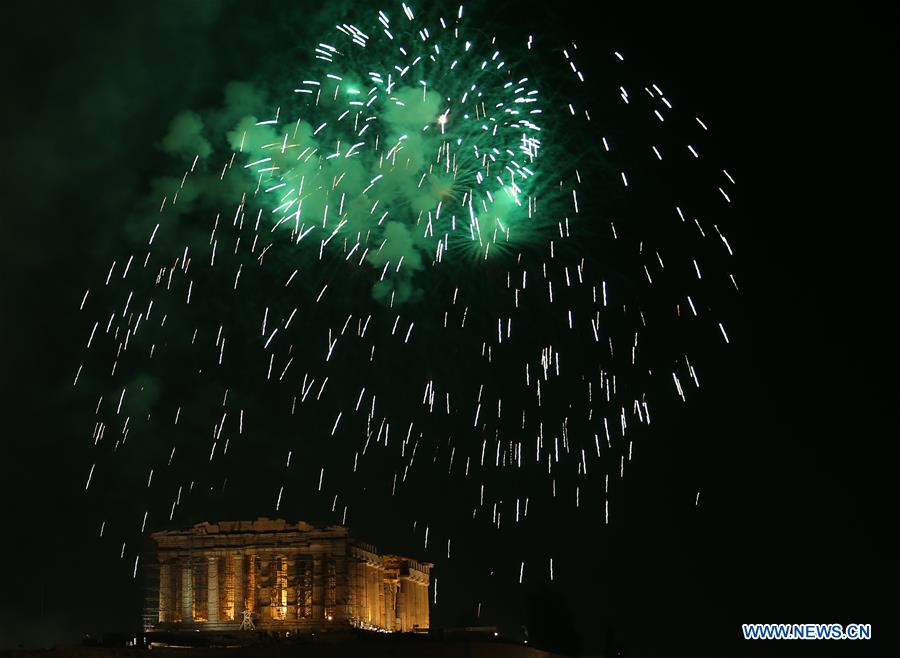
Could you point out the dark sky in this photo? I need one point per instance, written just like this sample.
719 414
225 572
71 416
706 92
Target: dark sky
788 443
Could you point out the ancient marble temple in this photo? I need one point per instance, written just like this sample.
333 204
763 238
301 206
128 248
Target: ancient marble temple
273 575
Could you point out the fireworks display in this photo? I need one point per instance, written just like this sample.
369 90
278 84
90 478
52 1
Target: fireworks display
422 276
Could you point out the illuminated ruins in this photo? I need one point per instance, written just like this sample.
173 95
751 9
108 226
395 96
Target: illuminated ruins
276 576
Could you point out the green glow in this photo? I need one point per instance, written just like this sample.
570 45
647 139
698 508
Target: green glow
405 159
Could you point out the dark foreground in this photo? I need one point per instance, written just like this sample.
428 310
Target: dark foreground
370 645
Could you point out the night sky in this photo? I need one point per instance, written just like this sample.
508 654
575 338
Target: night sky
786 440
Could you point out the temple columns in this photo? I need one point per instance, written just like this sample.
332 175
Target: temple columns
342 591
417 597
239 603
381 612
264 587
187 591
251 583
292 589
404 604
212 589
318 591
389 606
166 600
422 605
373 595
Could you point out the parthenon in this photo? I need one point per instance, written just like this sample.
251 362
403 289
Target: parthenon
272 575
